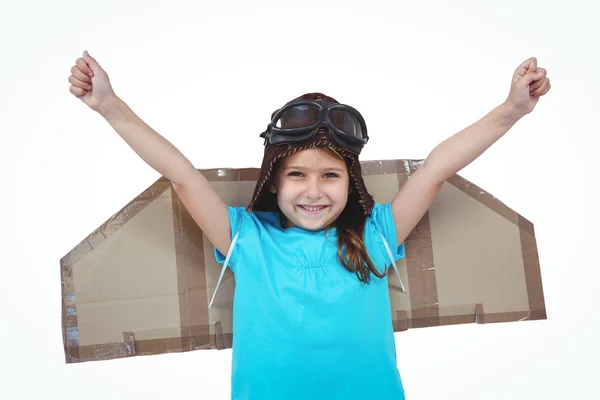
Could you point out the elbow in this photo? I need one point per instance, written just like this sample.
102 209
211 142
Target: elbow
437 173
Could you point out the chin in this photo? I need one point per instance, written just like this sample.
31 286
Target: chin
310 225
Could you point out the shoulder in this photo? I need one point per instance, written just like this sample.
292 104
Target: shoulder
247 231
380 226
243 220
381 214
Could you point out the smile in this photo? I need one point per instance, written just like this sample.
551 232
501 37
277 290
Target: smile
312 209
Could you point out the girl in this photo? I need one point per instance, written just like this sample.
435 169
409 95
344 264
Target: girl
310 253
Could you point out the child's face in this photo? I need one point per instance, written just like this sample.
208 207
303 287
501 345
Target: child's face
312 188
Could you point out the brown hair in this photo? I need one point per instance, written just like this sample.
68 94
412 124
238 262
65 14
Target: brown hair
350 224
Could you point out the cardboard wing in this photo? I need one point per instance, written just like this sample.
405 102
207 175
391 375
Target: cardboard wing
140 284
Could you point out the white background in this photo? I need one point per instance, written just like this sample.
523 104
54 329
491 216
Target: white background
207 75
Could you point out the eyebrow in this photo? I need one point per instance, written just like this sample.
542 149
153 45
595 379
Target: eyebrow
322 169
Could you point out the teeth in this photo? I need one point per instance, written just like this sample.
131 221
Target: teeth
313 208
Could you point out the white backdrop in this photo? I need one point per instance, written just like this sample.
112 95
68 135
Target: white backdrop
208 76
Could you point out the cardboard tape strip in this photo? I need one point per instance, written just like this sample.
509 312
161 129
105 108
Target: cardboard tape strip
420 263
533 277
191 276
454 315
70 324
421 276
135 347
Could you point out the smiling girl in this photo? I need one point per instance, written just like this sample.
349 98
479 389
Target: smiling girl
312 250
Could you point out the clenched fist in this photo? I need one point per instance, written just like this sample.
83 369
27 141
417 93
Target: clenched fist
529 83
90 83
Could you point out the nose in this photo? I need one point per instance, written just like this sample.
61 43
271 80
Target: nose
313 189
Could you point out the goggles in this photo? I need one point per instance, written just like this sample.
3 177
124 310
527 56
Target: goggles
300 120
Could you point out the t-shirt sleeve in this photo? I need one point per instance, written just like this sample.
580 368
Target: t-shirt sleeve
237 222
383 221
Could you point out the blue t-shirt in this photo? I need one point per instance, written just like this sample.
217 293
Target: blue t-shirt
304 327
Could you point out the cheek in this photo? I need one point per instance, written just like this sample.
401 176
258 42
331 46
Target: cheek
286 191
343 198
341 193
278 185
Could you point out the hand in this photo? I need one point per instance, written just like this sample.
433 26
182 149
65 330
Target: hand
90 83
529 83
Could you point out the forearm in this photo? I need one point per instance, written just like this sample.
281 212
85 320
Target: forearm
460 150
154 149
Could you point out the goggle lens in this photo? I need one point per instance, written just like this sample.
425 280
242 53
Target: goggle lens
306 115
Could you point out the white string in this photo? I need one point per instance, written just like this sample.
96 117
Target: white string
224 267
389 251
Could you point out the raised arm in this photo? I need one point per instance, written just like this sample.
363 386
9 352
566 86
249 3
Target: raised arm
90 83
529 83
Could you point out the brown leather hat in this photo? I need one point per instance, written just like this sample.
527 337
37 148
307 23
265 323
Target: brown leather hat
265 200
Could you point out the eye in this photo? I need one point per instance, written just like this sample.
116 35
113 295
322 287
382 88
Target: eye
331 175
295 174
